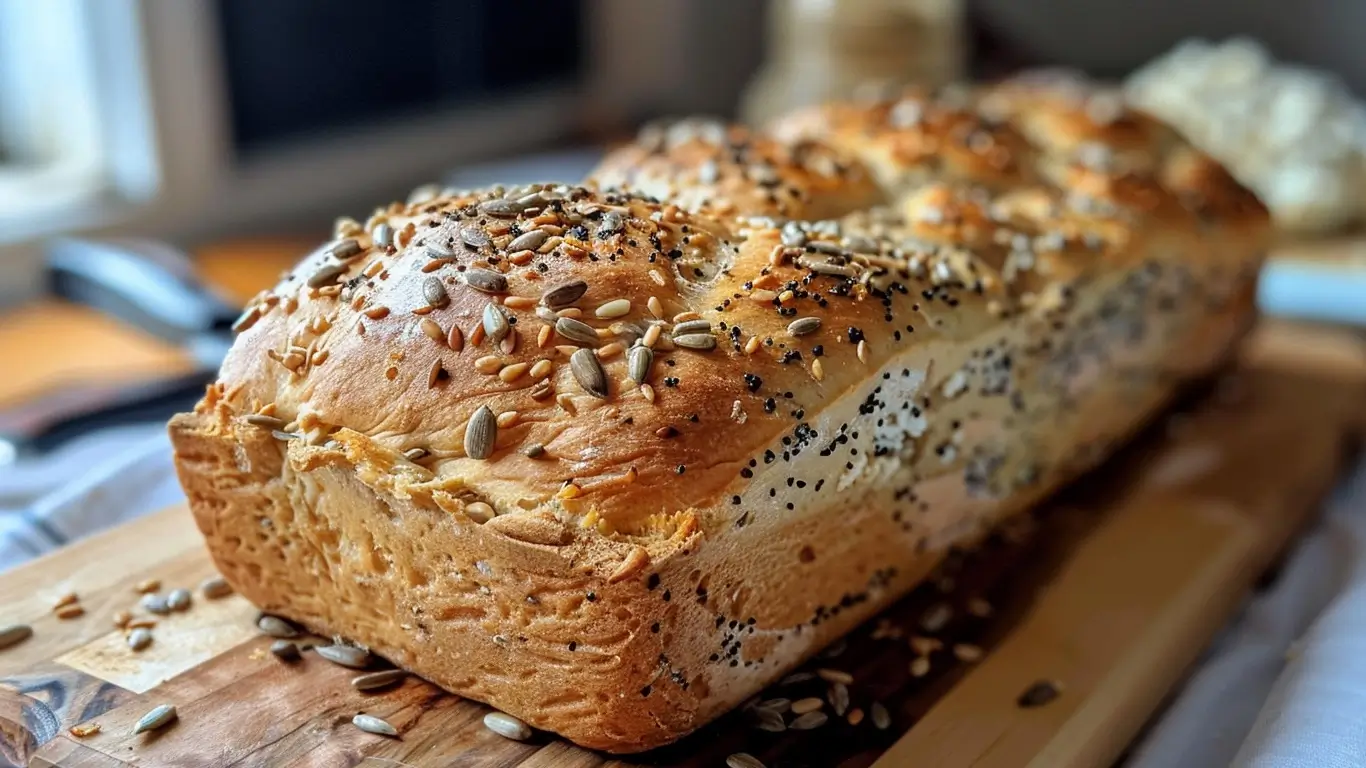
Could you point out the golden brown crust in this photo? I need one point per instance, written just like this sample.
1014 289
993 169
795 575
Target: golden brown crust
726 171
626 543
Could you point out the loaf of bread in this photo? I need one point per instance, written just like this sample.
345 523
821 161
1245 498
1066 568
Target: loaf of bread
613 463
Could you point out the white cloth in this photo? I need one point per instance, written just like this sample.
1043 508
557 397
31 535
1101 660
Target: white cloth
1245 705
89 484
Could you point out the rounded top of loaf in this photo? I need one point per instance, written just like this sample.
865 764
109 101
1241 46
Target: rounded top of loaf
729 170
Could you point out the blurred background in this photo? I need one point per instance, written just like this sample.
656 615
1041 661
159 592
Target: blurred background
163 160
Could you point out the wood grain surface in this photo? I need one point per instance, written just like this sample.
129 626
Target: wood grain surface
1109 593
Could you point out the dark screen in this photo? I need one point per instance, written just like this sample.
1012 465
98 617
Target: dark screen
303 67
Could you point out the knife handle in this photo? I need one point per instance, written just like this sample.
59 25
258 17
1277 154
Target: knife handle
146 284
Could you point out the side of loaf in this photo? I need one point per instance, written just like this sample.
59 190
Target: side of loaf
612 464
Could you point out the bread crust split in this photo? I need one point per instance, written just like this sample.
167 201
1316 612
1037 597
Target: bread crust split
613 463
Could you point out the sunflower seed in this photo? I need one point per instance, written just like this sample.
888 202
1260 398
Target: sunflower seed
215 587
743 760
882 719
831 249
326 275
155 603
415 454
139 638
383 236
611 224
769 720
530 240
496 325
779 705
839 698
792 235
256 420
346 250
501 208
564 294
638 362
809 721
284 650
247 319
507 726
15 634
179 600
372 724
159 717
276 626
692 326
345 655
701 341
474 237
835 676
486 280
589 373
803 326
434 292
481 433
576 331
1038 694
797 677
613 309
377 680
479 511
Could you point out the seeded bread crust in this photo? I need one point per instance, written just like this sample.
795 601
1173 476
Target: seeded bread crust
647 542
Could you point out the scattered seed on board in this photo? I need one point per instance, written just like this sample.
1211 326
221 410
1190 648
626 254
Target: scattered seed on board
215 587
576 331
15 634
121 619
372 724
139 638
588 372
284 650
882 719
809 704
564 294
65 600
345 655
84 730
71 611
507 726
496 325
769 720
638 362
159 717
839 698
486 280
803 326
809 721
376 680
154 603
276 627
743 760
179 600
481 433
1039 694
835 676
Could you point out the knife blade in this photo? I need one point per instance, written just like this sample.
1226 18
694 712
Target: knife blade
145 284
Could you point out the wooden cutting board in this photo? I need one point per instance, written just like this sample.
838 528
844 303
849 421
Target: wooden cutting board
1108 595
